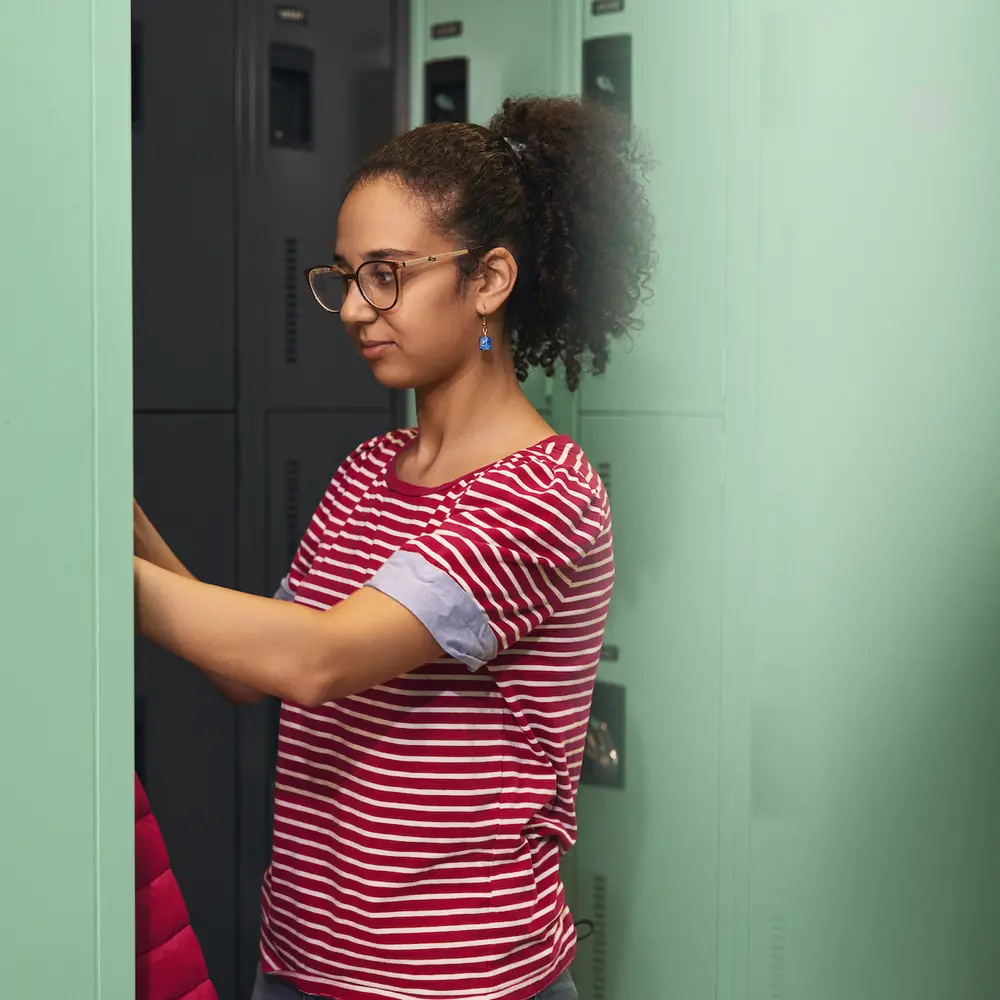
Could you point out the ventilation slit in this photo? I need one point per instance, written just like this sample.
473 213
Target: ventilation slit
292 508
600 961
604 471
779 955
291 301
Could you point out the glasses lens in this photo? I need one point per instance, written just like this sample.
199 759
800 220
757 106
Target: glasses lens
378 282
328 287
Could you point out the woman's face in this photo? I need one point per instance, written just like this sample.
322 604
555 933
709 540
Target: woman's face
432 333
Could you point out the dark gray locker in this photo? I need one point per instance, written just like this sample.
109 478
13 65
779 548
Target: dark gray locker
184 196
186 744
316 129
303 452
247 119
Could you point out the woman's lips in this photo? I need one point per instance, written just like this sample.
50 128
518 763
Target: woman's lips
376 348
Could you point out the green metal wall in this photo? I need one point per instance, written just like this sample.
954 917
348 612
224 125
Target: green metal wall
806 488
65 486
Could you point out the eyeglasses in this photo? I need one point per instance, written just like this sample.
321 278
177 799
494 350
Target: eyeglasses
377 280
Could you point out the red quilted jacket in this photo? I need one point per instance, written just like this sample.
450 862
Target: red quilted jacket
169 964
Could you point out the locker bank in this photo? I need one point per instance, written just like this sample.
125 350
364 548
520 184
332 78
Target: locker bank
799 673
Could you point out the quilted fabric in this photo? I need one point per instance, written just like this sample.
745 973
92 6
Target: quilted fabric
169 964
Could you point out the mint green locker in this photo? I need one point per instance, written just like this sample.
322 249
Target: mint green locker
517 48
65 495
863 528
646 860
679 105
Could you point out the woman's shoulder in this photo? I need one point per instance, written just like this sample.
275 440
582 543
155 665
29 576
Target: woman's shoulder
555 466
379 451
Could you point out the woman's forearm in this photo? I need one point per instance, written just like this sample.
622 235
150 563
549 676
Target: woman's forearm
150 546
268 646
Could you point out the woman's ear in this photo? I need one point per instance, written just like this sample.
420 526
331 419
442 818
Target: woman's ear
496 274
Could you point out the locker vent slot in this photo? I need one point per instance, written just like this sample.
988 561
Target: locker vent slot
604 471
291 301
779 956
599 952
292 535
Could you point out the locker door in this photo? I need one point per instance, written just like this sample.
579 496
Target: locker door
304 450
679 99
183 196
514 48
648 862
646 857
468 57
186 743
317 129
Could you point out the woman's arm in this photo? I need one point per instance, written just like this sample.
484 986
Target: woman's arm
281 649
150 546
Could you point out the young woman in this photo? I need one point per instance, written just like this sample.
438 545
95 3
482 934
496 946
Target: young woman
438 640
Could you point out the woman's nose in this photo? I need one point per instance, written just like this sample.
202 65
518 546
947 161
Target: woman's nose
356 308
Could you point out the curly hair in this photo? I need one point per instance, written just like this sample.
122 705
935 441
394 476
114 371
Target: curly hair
560 183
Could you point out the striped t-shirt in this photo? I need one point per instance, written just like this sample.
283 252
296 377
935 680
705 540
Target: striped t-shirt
418 826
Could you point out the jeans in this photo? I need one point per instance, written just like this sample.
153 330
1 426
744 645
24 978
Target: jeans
273 988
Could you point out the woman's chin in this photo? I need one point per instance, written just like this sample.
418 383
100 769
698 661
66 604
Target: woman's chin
392 376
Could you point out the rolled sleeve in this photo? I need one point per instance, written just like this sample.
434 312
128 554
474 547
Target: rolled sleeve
457 623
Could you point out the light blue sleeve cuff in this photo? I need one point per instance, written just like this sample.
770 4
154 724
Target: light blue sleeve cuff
283 593
458 624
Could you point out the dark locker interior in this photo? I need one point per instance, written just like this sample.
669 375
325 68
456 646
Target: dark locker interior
246 124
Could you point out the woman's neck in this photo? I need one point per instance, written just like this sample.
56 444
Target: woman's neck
469 421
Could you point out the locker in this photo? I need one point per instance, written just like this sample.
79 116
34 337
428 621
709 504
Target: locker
183 195
316 70
241 148
186 743
517 48
679 102
467 58
303 452
646 858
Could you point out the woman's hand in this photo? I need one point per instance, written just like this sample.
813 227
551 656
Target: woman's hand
140 526
149 545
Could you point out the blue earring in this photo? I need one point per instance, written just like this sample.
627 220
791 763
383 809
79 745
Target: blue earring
484 341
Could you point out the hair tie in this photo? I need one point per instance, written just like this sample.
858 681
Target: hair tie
517 148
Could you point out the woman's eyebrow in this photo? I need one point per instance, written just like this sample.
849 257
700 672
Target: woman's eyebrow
389 252
383 253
